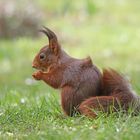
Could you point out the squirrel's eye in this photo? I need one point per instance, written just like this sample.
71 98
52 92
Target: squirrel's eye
42 56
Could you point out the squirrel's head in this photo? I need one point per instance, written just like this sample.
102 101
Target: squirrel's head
49 54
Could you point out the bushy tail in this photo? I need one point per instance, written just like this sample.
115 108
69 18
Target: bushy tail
116 94
113 81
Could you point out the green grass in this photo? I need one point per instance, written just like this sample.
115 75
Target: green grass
31 110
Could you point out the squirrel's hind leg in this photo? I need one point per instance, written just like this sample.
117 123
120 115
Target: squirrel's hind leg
107 104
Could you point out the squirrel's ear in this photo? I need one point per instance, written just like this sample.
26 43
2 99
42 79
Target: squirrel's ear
53 42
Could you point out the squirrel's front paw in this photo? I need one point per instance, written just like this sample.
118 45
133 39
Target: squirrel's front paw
37 75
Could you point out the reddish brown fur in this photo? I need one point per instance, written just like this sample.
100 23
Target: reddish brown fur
83 87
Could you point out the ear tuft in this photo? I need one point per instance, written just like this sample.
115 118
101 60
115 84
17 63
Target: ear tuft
53 42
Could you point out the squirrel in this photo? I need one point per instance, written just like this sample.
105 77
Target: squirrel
84 88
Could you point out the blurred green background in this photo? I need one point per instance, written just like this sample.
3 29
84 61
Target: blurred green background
106 30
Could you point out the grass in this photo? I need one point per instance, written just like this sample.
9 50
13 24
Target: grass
31 110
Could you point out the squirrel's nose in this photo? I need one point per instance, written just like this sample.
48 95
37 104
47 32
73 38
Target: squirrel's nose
34 65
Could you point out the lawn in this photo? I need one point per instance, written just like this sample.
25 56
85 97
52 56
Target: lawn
31 109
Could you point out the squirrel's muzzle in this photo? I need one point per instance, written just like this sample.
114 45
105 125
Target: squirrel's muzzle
34 66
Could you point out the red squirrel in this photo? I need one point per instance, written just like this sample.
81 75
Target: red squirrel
83 87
